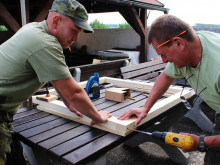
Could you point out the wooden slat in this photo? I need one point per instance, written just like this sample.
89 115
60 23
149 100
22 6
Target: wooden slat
76 142
54 132
143 71
25 113
44 127
61 138
29 118
79 156
140 66
148 77
35 123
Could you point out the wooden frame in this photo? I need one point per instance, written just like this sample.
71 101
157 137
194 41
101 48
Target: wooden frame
113 125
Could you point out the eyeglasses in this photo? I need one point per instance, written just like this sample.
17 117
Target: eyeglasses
172 38
184 101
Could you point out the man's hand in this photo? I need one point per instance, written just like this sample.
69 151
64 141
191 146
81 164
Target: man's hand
104 117
196 142
139 112
72 109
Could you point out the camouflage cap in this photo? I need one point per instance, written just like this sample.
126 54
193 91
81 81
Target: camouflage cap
73 10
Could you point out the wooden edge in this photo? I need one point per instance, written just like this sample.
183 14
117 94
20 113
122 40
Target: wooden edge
57 107
131 84
139 86
165 105
113 125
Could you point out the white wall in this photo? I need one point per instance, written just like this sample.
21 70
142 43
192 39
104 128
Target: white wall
105 39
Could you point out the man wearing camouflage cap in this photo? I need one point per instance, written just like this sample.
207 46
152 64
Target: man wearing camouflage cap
34 56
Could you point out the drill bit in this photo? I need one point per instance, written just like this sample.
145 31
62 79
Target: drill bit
148 133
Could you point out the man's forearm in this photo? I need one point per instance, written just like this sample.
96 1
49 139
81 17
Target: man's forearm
75 96
212 141
161 85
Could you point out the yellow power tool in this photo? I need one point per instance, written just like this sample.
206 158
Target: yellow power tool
174 139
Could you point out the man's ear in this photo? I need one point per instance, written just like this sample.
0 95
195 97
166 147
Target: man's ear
179 41
56 21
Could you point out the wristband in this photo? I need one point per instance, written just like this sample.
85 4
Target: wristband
202 147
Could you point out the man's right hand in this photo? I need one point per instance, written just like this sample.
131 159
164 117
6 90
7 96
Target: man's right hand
104 116
139 112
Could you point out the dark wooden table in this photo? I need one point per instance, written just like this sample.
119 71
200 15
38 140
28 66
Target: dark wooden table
63 141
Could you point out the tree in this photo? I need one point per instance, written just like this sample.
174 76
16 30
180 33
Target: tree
3 28
124 26
98 25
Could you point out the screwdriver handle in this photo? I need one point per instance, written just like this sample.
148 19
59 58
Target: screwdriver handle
179 140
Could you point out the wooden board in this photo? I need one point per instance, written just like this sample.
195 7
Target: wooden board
113 125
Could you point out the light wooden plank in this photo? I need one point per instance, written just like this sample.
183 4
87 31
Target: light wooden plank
131 84
138 86
58 108
113 125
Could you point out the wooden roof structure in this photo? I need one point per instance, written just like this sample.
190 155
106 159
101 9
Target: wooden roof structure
14 14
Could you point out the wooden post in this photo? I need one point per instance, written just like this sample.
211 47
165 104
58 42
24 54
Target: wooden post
143 52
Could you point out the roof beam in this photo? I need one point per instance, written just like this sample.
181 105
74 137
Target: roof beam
139 24
133 3
44 12
8 20
143 52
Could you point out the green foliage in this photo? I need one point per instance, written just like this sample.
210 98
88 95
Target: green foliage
207 25
3 28
98 25
124 26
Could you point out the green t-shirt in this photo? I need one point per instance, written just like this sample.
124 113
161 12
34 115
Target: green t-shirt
28 60
208 70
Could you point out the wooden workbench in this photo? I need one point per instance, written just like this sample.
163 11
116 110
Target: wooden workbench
60 140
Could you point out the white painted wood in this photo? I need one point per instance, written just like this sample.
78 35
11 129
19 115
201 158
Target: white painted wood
131 84
120 127
113 125
138 86
58 108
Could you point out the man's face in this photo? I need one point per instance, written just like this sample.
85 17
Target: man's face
67 32
173 53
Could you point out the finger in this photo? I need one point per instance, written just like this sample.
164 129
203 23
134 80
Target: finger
122 116
109 115
76 112
79 114
92 122
125 115
138 120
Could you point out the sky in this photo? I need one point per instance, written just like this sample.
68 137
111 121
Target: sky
191 11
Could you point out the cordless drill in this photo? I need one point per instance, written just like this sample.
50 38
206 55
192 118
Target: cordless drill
174 139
